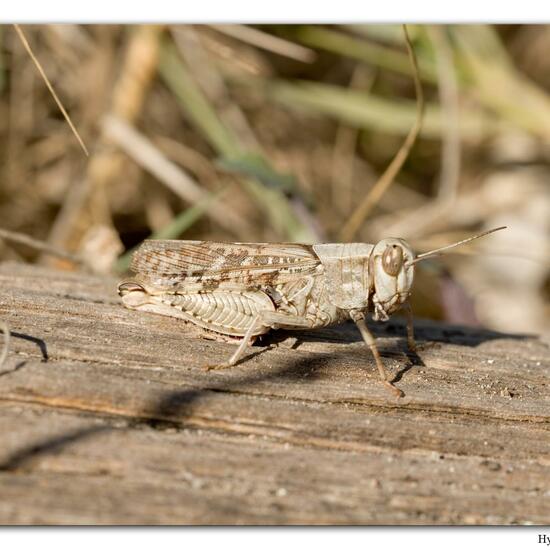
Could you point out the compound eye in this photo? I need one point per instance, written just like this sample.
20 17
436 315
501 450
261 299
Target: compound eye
392 260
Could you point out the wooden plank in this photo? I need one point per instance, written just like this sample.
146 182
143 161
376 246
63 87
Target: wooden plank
124 473
106 416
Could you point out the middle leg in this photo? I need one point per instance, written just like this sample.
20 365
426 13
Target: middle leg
267 320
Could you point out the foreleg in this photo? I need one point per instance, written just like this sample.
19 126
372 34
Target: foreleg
410 329
371 343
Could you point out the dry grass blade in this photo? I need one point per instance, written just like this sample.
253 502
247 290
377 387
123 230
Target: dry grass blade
252 160
39 245
268 42
144 152
343 155
6 348
448 93
368 51
204 116
50 87
190 45
497 83
358 217
86 204
372 111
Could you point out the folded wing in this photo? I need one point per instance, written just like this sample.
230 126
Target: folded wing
248 264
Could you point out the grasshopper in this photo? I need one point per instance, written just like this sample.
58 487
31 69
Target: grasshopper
243 290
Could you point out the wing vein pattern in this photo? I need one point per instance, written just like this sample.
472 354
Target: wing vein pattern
174 262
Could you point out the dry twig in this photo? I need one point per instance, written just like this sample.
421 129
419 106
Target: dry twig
357 218
428 216
267 42
50 87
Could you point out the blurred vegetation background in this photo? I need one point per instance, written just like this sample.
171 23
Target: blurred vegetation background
278 133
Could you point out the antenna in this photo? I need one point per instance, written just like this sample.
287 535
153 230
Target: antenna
438 251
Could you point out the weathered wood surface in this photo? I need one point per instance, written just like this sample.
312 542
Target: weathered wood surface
107 417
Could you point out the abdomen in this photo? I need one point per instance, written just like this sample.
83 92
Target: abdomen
223 311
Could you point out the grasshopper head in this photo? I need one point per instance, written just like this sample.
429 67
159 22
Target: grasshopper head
391 271
392 275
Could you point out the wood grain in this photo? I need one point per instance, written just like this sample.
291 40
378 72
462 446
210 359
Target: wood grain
107 417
